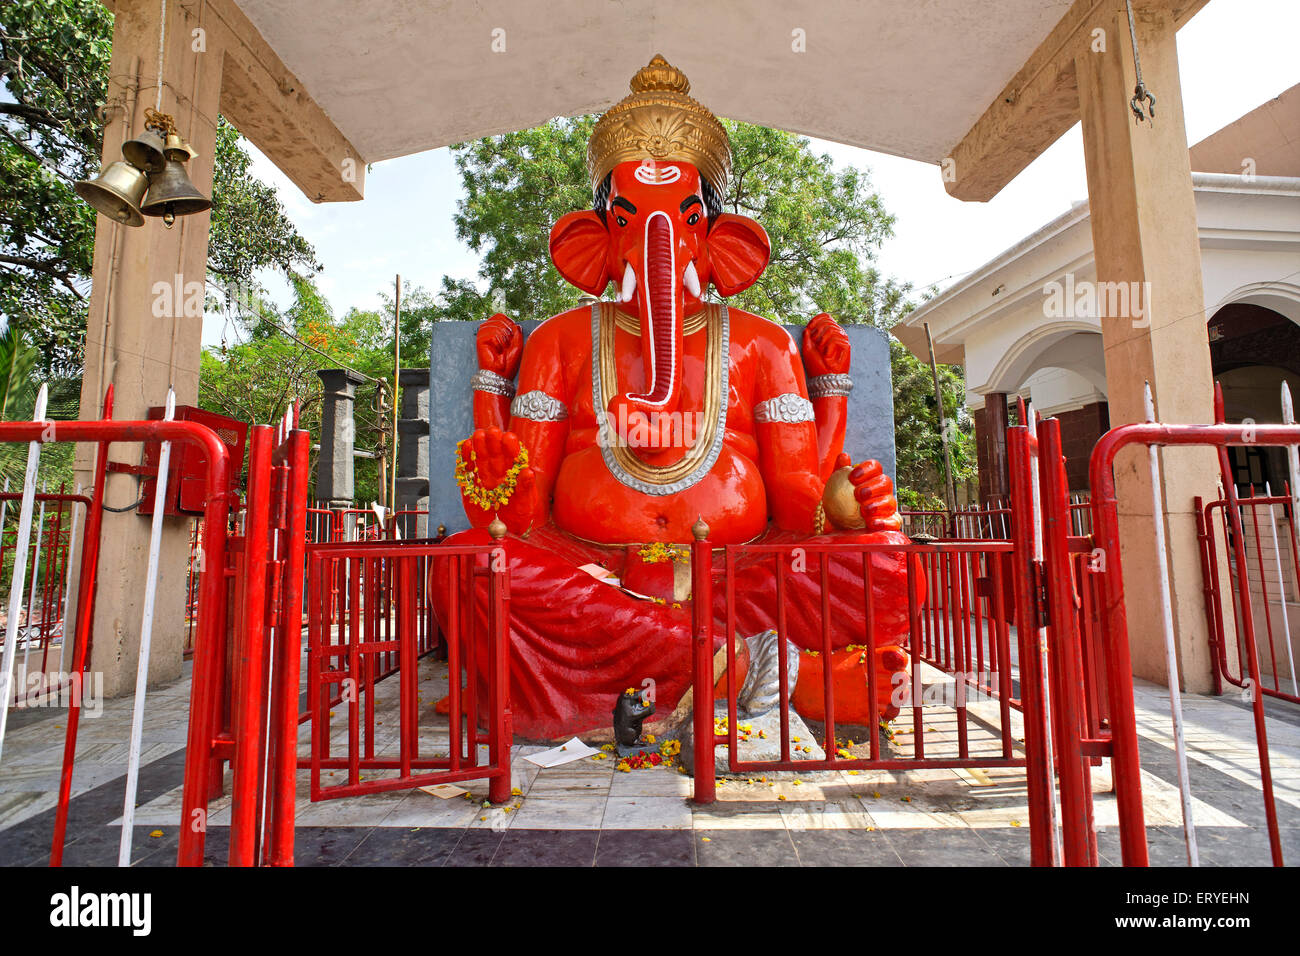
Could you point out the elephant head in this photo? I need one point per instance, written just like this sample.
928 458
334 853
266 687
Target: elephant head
657 232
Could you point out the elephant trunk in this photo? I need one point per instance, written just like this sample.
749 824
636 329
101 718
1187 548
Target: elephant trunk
662 301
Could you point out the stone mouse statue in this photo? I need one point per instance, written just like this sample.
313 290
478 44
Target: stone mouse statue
630 711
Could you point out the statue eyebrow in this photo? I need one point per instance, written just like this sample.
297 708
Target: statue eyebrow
624 204
690 201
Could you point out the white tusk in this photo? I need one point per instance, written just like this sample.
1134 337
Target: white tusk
691 279
629 284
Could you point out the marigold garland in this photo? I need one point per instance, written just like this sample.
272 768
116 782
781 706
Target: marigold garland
648 759
657 552
489 499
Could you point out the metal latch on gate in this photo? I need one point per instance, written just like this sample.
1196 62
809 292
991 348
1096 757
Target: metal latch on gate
1041 608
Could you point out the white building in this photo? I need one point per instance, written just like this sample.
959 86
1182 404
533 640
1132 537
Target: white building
1027 323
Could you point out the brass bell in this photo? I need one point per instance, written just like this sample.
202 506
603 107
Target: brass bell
116 192
146 151
178 149
171 194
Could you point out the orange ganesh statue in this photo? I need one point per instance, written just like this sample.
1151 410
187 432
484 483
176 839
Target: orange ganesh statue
602 439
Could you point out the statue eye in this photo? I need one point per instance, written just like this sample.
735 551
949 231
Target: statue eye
620 220
693 219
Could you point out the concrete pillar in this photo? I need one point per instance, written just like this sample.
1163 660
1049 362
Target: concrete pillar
144 326
413 450
338 433
1144 232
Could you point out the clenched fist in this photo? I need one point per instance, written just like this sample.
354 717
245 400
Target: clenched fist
875 496
499 343
826 347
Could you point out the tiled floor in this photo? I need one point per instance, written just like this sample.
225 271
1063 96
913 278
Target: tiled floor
589 813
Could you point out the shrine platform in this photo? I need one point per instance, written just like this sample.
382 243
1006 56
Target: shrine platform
589 813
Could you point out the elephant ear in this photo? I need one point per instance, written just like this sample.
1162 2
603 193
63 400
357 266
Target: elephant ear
580 250
738 252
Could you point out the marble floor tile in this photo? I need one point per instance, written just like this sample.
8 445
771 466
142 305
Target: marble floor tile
646 848
560 812
646 813
747 847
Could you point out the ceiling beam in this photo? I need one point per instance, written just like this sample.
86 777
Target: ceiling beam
1040 103
271 107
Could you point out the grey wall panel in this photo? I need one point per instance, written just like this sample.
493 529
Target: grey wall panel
870 432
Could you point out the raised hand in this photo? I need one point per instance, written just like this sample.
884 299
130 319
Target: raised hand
874 493
488 465
825 347
499 344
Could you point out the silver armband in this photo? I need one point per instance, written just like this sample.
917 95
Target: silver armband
788 409
537 406
485 381
833 385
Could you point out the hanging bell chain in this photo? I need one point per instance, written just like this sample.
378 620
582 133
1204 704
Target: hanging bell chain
162 122
1140 91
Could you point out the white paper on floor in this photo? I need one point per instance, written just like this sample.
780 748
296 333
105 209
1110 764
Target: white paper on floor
575 749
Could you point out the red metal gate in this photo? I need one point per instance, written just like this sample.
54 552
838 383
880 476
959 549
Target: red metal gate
1114 619
1223 615
104 433
44 622
369 617
244 689
1075 705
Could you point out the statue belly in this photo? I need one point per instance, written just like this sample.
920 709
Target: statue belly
591 503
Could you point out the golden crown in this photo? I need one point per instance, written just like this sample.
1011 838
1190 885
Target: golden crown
660 121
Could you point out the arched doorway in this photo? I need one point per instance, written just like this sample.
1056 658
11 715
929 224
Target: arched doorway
1060 369
1253 350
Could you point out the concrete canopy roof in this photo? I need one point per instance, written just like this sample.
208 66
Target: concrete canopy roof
909 79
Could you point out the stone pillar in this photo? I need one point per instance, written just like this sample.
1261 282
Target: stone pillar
1145 235
338 432
991 447
413 451
143 329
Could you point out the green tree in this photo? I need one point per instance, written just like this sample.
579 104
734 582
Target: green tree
18 393
516 186
824 224
275 365
917 441
54 66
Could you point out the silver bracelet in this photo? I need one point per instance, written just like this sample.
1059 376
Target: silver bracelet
832 385
485 381
537 406
788 408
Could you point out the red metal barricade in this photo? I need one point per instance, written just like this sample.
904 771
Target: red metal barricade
42 626
193 572
376 586
244 688
1114 618
1272 566
964 597
973 523
937 635
368 618
104 432
320 525
965 622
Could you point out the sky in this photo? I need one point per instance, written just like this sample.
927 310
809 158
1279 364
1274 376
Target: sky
1233 56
